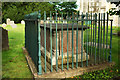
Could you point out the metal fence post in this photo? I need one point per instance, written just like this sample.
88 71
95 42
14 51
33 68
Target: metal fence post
103 35
95 34
45 37
62 41
82 43
72 40
87 40
107 36
91 37
110 56
51 39
39 47
56 45
99 39
93 29
67 43
77 43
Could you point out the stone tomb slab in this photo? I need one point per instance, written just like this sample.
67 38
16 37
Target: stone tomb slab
59 48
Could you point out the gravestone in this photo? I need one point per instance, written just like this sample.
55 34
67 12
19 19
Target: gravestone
12 22
3 25
22 22
8 21
13 25
5 45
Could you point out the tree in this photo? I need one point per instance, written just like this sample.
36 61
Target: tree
68 7
65 7
17 10
113 11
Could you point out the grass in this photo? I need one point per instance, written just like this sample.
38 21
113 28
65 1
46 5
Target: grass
14 64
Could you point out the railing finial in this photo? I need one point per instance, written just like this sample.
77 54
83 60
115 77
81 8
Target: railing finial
39 15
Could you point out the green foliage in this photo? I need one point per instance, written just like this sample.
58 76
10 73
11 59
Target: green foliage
17 10
108 73
65 7
114 11
68 7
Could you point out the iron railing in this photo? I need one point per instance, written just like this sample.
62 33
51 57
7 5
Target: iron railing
92 42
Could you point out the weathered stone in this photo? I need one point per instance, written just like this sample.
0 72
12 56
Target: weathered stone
12 22
8 21
59 48
5 45
22 22
3 25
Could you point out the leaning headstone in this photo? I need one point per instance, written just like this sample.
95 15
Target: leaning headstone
12 22
8 21
3 25
5 45
22 22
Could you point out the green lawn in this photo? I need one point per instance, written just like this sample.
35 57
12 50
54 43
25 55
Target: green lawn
14 64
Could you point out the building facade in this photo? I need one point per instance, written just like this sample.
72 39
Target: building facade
98 6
